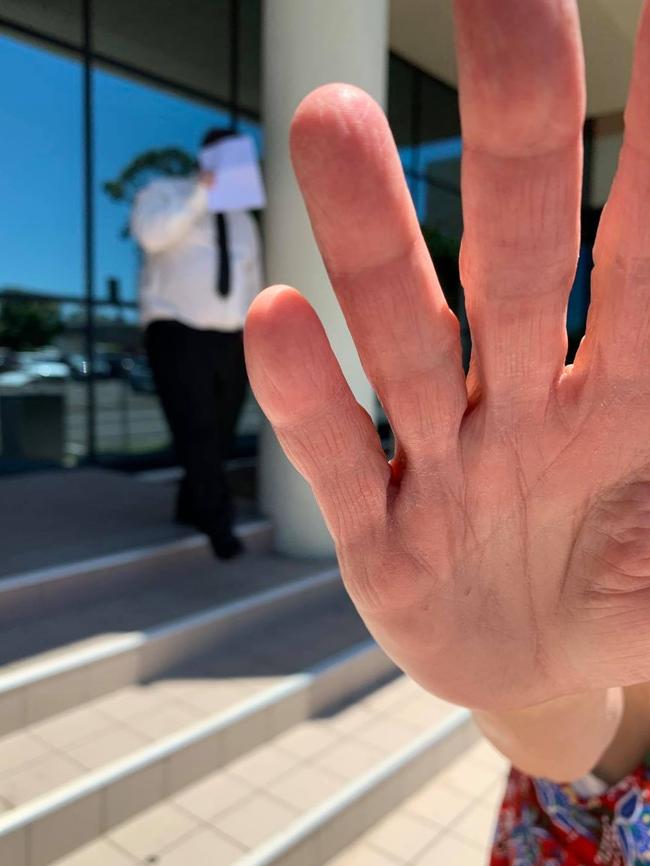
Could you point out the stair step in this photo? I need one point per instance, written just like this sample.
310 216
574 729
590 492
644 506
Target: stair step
44 684
450 820
49 590
302 795
85 771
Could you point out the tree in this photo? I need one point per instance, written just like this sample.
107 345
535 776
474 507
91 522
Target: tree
26 323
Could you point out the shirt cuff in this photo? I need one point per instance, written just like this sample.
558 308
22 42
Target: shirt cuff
198 202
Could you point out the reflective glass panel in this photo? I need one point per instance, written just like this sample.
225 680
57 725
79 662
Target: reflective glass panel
187 43
41 184
58 18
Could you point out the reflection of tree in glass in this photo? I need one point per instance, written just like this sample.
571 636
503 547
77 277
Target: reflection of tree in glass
169 162
26 323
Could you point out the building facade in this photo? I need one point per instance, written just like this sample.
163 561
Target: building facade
103 95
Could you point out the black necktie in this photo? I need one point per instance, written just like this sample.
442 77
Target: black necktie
223 277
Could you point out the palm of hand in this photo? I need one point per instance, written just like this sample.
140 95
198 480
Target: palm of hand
505 558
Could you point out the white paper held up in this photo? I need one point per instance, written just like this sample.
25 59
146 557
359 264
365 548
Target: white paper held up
238 179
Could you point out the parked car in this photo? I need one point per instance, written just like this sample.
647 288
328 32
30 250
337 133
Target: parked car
80 367
139 374
53 371
42 364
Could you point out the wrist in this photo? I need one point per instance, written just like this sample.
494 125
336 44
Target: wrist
562 739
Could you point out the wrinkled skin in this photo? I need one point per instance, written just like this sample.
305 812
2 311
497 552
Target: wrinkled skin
502 558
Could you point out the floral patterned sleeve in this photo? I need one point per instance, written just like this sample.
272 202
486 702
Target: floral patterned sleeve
542 823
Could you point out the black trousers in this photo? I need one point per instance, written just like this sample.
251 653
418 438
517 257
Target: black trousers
201 381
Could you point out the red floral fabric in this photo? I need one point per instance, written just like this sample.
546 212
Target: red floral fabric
545 824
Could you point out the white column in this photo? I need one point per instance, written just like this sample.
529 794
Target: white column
307 43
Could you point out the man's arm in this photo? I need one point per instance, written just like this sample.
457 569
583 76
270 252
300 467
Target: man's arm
159 218
563 739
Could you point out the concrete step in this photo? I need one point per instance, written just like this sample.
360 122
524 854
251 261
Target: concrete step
304 794
450 821
83 772
151 636
49 591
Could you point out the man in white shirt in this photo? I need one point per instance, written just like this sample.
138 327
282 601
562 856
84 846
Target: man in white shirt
200 274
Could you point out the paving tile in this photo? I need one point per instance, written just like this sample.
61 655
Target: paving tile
263 765
365 855
349 758
58 833
485 753
449 851
398 691
164 720
188 765
55 694
18 750
438 802
13 848
38 778
305 787
401 835
386 734
114 743
420 713
476 825
146 835
352 718
255 819
493 797
470 777
71 727
205 847
133 793
212 796
113 673
213 695
129 701
308 739
12 711
99 853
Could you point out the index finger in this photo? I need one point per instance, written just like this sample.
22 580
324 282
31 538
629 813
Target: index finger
368 234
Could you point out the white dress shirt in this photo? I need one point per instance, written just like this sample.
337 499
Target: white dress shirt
178 279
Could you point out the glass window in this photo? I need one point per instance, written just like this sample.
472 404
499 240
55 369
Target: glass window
134 121
58 18
43 405
438 122
440 162
439 210
400 107
41 150
187 43
128 413
250 54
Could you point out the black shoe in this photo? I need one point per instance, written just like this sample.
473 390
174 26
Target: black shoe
226 546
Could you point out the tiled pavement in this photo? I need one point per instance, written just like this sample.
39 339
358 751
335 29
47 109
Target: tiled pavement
449 822
63 747
226 814
141 603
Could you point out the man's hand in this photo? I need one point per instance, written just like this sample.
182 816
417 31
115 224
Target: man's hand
502 558
207 178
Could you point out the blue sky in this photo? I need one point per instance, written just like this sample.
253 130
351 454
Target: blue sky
41 232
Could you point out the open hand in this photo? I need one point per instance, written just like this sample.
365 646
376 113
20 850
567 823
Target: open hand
502 558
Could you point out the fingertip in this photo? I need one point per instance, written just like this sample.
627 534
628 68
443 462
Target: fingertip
331 117
272 309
